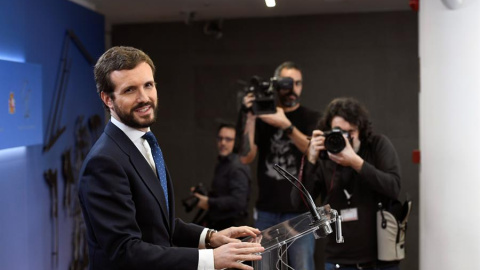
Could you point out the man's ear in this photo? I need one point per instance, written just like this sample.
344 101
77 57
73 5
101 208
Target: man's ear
107 100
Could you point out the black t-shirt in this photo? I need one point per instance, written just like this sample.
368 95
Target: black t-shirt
275 147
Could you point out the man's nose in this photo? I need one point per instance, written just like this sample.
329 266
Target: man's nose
142 95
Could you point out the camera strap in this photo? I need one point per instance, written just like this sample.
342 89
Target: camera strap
329 188
300 175
302 164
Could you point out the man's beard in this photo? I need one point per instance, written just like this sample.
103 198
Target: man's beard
286 101
128 118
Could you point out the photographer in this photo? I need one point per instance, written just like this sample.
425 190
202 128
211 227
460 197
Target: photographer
228 199
366 171
280 139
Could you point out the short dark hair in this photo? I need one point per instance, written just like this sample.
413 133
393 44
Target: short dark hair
287 65
352 111
117 58
226 125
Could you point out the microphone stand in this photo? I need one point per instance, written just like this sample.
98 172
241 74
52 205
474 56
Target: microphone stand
294 181
311 204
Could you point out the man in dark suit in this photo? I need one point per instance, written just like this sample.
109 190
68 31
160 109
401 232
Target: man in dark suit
227 201
126 191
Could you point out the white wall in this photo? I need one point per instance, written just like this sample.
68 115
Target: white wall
449 135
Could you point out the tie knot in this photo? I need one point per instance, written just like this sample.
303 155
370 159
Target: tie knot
150 137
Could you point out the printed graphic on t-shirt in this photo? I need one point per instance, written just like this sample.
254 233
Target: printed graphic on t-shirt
280 153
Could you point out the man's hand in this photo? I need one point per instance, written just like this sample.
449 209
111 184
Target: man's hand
202 201
348 157
231 255
316 145
277 119
229 235
230 252
247 103
248 99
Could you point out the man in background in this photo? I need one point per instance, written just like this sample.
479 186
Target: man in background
227 201
279 138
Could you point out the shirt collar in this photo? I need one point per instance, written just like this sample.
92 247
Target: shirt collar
229 157
132 133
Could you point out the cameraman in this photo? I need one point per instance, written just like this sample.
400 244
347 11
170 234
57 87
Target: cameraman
353 181
228 200
280 139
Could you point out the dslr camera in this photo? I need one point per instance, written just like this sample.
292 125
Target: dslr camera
191 201
334 142
265 93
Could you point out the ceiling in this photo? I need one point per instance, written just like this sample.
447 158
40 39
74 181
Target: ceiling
142 11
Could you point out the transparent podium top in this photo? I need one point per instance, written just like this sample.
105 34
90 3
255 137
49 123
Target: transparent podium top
295 228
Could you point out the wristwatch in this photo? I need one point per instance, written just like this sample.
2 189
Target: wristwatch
208 238
289 130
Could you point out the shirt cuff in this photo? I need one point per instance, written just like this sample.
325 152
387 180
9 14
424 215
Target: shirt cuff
205 259
201 242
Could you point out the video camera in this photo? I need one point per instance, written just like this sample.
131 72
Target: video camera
334 142
191 201
265 93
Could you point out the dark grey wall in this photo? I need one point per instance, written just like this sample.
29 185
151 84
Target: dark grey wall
372 57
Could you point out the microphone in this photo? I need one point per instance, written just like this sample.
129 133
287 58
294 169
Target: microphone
313 209
294 181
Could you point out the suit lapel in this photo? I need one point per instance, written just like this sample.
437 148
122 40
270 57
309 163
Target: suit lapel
138 161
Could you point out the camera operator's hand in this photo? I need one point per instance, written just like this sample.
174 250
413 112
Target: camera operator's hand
202 201
232 254
348 157
316 145
247 101
277 119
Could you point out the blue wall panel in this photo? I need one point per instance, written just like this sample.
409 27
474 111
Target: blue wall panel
21 116
13 208
33 31
12 30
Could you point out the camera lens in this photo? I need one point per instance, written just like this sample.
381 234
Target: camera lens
334 142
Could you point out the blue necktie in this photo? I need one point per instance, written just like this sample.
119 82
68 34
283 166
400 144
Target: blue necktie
159 163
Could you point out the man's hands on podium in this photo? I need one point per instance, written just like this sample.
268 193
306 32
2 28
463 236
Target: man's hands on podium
229 252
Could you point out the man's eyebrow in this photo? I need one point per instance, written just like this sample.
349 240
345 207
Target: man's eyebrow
128 87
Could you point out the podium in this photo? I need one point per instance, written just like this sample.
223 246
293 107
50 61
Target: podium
277 239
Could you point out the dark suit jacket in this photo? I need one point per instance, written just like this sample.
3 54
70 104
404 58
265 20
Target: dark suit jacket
128 226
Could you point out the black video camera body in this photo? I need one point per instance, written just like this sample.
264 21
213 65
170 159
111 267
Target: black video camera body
191 201
334 142
265 93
